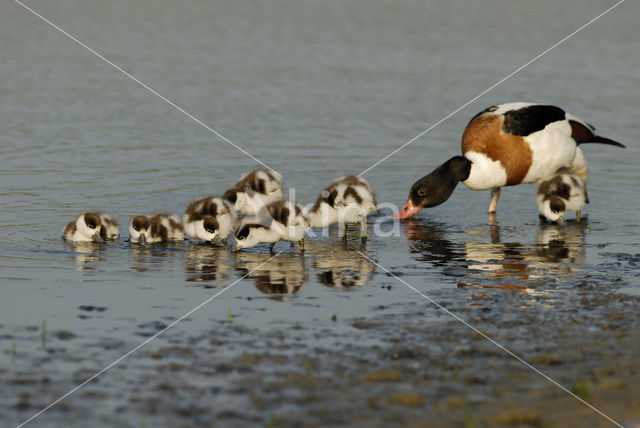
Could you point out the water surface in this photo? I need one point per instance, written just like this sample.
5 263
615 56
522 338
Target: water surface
315 90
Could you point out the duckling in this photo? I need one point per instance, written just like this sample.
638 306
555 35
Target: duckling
139 229
210 219
157 228
91 226
560 193
280 220
85 228
348 199
254 190
110 230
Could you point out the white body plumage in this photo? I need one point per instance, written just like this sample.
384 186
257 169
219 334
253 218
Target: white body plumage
348 199
278 221
210 219
254 190
155 228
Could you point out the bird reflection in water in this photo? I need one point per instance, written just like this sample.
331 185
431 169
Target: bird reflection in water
207 264
144 256
282 276
556 251
87 255
429 240
340 267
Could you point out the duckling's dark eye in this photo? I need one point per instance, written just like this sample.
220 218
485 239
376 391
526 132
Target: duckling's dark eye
210 225
242 233
91 226
422 192
136 228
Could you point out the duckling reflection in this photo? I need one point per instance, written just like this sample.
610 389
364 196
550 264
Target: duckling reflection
205 263
142 257
283 275
340 267
562 244
87 255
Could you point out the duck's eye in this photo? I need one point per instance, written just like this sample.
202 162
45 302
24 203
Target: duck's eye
91 226
136 228
422 192
240 238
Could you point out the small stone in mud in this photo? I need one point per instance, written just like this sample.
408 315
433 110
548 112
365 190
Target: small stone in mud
224 367
91 308
385 375
517 418
249 359
407 399
363 325
334 317
549 359
65 335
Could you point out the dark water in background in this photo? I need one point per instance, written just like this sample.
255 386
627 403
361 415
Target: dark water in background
314 90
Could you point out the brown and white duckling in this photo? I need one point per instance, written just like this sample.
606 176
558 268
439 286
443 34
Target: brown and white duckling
254 190
348 199
210 219
91 226
110 230
156 228
560 193
278 221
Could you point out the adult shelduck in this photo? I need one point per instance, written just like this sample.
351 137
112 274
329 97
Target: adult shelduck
505 145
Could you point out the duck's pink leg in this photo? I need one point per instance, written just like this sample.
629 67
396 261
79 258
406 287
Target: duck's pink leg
495 195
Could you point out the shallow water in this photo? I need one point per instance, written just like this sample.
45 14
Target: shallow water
315 91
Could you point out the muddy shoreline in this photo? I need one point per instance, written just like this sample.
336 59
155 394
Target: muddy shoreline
413 365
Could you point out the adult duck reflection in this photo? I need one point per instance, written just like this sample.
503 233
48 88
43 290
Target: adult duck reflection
429 240
206 264
337 267
555 250
283 275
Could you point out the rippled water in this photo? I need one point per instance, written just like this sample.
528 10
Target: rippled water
315 90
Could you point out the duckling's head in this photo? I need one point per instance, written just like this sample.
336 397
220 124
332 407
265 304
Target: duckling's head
250 235
89 225
139 229
553 209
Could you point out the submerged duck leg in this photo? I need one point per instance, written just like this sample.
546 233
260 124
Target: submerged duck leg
273 244
363 230
493 204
